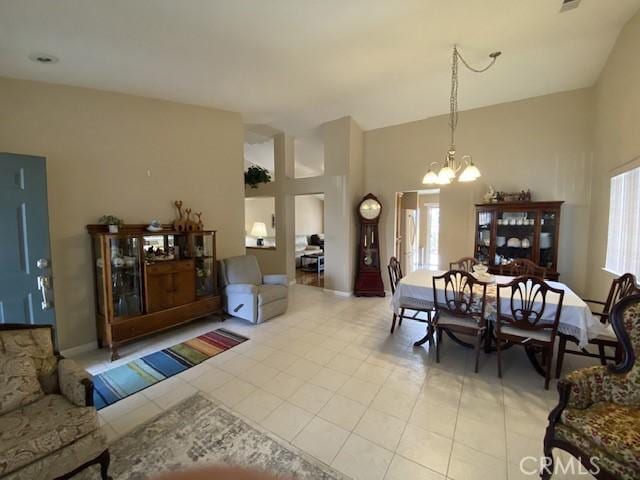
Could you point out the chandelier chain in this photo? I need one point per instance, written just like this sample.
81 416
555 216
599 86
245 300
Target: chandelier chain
453 99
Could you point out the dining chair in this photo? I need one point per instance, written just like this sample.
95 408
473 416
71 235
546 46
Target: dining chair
465 264
621 287
523 266
395 275
526 321
460 308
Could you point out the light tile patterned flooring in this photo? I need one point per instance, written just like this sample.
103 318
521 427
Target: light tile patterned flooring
328 378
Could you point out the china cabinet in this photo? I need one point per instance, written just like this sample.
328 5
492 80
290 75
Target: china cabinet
506 231
150 281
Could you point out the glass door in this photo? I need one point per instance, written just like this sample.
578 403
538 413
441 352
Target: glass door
547 240
483 242
202 251
125 275
515 234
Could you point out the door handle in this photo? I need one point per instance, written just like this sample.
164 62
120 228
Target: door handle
44 285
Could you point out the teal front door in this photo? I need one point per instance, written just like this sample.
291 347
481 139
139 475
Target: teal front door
25 255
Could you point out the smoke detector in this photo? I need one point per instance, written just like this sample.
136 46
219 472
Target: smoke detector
569 5
43 58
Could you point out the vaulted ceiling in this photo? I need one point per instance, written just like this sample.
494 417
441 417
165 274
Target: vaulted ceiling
294 64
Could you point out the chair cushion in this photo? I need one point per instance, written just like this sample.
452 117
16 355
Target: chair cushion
35 342
614 428
445 319
19 384
243 269
34 431
270 293
607 333
542 335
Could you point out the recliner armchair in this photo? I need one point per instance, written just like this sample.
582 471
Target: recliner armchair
250 295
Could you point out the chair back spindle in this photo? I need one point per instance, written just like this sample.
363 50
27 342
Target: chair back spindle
395 273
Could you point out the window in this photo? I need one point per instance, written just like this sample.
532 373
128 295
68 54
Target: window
623 245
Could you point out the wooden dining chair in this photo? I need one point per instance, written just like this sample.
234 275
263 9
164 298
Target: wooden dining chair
523 266
460 308
395 275
524 322
621 287
465 264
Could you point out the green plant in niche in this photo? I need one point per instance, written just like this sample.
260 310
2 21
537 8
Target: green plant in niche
110 220
256 175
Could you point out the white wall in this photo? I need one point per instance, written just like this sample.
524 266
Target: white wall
309 214
259 209
542 143
99 147
617 141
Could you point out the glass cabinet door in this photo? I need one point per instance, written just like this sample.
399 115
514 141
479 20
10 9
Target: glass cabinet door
125 275
483 242
100 274
547 240
515 232
202 246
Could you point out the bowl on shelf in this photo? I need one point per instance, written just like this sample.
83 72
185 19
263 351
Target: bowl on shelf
500 241
514 242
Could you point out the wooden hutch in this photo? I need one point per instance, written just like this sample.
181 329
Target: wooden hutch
150 281
510 230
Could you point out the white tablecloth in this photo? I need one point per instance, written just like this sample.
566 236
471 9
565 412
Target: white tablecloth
416 289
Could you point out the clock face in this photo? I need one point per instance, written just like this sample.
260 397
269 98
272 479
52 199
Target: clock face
370 209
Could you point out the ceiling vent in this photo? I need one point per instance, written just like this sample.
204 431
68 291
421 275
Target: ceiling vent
569 5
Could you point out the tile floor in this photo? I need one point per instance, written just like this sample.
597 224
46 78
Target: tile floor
328 378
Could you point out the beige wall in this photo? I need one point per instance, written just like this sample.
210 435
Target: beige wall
259 209
617 140
309 214
542 143
99 146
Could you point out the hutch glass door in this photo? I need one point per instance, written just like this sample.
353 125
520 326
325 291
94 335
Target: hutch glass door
515 235
125 275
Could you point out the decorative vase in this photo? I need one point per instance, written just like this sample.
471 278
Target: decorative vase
113 228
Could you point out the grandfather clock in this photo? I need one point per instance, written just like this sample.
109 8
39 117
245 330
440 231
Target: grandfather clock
368 277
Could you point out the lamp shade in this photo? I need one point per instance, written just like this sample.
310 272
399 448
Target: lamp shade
431 178
469 174
259 230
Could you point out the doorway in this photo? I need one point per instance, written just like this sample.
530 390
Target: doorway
25 254
309 239
417 229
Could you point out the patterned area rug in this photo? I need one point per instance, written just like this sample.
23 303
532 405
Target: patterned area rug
199 432
125 380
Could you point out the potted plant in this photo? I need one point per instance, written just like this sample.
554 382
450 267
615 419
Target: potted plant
256 175
113 222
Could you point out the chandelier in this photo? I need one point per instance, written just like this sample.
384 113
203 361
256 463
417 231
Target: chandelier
451 167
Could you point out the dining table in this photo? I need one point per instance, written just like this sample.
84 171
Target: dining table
576 320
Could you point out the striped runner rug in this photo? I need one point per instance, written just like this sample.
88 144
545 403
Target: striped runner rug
125 380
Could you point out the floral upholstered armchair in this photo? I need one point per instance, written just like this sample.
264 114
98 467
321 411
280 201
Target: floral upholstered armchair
598 417
48 426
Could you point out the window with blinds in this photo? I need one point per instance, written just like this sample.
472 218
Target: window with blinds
623 245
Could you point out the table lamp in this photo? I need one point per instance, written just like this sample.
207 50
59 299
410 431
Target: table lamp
259 231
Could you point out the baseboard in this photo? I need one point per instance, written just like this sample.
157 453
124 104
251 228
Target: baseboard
340 293
87 347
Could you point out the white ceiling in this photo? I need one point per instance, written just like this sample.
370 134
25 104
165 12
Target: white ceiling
294 64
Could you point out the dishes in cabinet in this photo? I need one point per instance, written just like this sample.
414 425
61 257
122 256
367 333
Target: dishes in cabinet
545 240
525 243
514 242
501 241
